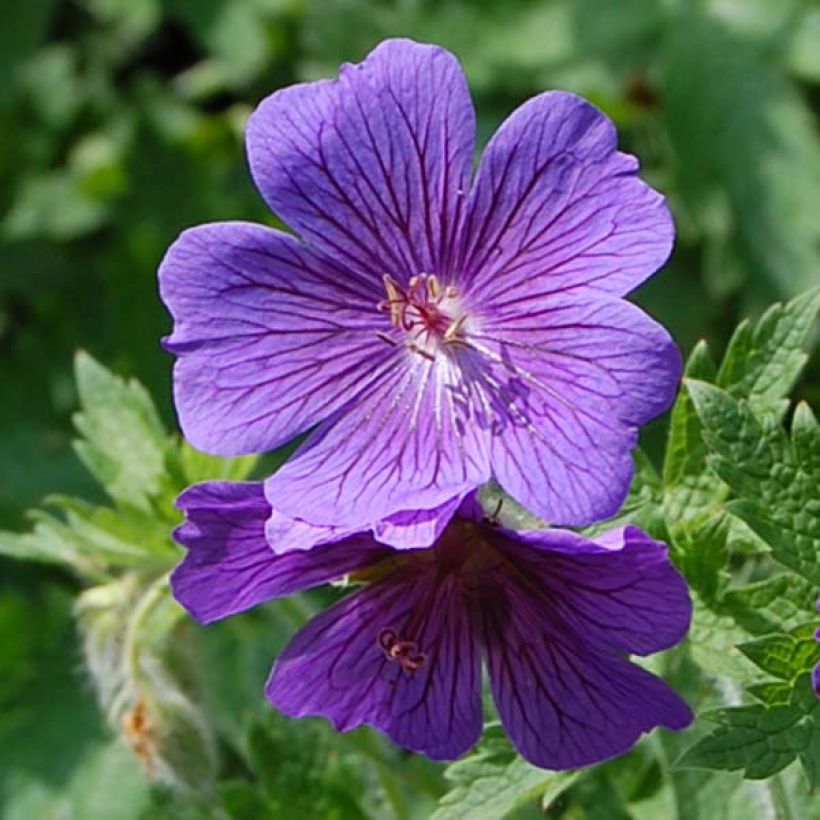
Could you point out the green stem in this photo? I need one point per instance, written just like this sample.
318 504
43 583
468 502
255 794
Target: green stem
153 595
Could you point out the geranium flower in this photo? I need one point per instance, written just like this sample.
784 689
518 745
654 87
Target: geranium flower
552 614
815 673
438 331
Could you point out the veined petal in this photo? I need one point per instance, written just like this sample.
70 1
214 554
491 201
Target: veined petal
408 444
619 590
371 167
408 529
336 667
416 529
555 207
576 381
270 337
229 566
563 696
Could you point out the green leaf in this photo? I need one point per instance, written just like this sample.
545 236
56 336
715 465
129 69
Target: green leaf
305 770
775 478
786 656
493 781
763 361
124 444
759 741
198 466
685 451
699 549
713 640
774 604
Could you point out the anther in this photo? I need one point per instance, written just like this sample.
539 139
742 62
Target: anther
385 338
421 351
403 651
454 329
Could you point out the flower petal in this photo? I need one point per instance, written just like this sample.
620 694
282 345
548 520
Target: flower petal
416 529
619 590
271 337
335 667
230 567
406 446
409 529
576 381
371 167
556 207
566 698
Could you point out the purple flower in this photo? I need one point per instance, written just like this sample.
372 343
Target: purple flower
552 614
815 673
438 331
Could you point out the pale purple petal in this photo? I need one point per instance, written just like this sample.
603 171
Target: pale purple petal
285 534
564 691
409 529
415 529
229 566
576 380
335 667
408 445
371 167
271 338
555 207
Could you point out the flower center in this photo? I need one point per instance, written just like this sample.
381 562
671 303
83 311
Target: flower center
424 311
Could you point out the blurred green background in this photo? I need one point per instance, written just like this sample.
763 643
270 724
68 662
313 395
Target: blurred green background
121 123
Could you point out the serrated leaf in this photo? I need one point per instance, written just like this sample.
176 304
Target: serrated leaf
771 694
685 452
764 360
493 781
92 540
758 740
785 656
713 640
198 466
776 479
776 603
124 444
700 552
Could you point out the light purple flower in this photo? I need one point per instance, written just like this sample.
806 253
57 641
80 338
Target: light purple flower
552 614
438 330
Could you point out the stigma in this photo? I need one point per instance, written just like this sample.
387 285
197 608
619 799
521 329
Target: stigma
425 311
405 652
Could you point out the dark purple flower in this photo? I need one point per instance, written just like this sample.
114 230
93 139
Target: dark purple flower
553 615
438 330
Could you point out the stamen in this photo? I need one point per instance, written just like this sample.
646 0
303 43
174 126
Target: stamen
420 309
395 300
492 520
421 351
385 338
404 651
455 328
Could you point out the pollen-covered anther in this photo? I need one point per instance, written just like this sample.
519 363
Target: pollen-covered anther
404 651
453 331
423 309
